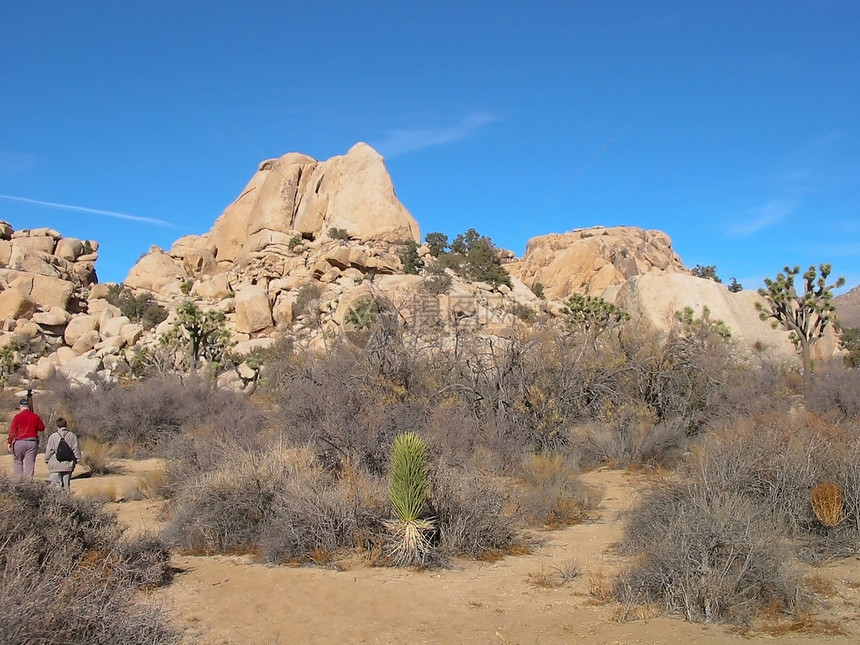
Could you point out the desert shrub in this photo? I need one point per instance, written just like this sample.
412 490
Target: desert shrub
68 576
552 494
97 456
10 358
280 505
708 555
850 339
137 307
339 234
307 299
474 513
835 393
435 280
630 437
153 412
776 463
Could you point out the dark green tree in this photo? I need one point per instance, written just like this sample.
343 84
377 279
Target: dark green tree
592 314
474 257
805 316
735 286
709 272
437 243
411 261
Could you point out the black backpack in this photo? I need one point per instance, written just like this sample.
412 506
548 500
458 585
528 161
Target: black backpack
64 451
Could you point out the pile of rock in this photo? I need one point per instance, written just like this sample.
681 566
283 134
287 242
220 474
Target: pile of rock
308 242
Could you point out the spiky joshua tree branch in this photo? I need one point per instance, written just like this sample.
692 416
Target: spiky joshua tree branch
805 316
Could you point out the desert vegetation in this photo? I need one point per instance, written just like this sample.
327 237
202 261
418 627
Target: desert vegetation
405 449
67 575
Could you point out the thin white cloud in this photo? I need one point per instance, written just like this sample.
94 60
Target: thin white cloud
94 211
765 216
12 162
399 142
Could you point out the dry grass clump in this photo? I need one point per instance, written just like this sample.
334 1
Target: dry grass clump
68 576
709 556
827 503
551 493
556 576
98 457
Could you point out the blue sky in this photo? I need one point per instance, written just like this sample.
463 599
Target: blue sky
740 134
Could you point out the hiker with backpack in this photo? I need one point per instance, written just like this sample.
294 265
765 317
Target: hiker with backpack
62 454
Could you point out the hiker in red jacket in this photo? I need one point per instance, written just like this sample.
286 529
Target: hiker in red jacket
24 439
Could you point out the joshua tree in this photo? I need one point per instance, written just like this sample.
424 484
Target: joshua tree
805 316
408 493
198 334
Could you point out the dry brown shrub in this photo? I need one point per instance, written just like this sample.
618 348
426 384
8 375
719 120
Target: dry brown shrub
709 556
473 514
67 575
279 505
820 585
599 585
806 623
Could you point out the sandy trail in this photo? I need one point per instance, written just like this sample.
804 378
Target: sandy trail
225 599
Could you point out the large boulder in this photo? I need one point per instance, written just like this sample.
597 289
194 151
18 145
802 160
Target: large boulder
253 309
15 305
157 272
45 290
78 326
656 298
597 261
848 308
299 195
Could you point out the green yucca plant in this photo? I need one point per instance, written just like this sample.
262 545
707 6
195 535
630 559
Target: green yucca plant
408 486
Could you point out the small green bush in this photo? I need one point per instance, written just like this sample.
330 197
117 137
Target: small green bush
339 234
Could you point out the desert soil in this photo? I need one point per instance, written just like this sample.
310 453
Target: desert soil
231 599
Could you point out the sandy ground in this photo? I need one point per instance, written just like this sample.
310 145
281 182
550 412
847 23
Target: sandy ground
226 599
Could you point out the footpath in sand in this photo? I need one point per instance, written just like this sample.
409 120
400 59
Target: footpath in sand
226 599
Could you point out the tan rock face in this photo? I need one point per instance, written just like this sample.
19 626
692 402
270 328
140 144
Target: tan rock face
157 272
253 310
297 194
596 261
848 308
15 305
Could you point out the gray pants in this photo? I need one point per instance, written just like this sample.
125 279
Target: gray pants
61 480
24 456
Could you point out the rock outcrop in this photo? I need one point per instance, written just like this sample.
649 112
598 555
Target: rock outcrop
595 261
43 265
270 266
848 308
297 195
